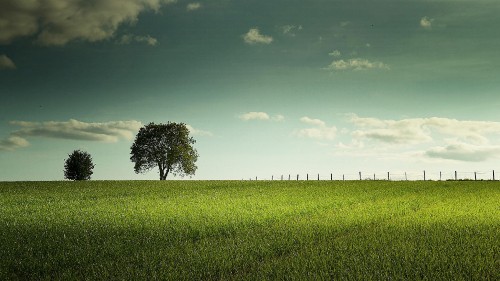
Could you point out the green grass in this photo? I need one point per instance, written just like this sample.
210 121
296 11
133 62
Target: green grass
232 230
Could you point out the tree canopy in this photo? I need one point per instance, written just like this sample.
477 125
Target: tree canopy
166 146
78 166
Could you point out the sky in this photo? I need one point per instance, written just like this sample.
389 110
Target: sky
267 88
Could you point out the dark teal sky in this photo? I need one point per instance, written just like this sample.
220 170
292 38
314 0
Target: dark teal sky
268 86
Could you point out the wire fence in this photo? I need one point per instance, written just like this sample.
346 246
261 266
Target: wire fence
389 176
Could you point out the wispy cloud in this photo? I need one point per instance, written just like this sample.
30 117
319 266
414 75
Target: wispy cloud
441 138
278 118
312 121
418 130
12 143
198 132
58 22
318 131
111 131
356 64
290 29
464 152
193 6
335 53
253 36
254 115
6 63
425 22
73 130
129 38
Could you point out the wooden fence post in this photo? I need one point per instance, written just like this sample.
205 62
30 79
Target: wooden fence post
475 176
307 177
272 177
297 176
318 176
388 176
331 176
424 175
343 177
493 174
406 177
455 175
439 175
288 176
359 175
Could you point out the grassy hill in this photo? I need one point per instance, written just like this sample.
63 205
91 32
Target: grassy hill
186 230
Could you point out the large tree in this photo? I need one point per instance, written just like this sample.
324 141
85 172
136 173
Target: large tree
78 166
166 146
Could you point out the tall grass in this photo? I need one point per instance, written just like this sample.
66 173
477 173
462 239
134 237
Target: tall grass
232 230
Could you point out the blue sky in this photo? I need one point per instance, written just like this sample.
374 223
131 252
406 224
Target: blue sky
267 87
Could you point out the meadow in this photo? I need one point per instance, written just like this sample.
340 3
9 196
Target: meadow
250 230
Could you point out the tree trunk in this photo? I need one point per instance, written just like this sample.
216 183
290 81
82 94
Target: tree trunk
166 173
162 177
164 170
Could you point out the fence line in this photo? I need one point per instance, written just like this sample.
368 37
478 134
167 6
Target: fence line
389 176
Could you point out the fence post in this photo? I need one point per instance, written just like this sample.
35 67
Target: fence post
455 175
307 176
288 176
318 176
406 177
439 175
255 178
343 177
272 177
493 174
475 176
388 176
424 175
297 176
359 175
373 176
331 176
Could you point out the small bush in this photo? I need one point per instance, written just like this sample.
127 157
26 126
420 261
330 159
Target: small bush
78 166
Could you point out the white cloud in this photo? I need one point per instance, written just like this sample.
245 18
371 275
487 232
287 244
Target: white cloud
356 64
193 6
197 132
445 138
464 152
261 116
57 22
278 118
76 130
425 22
320 131
391 131
311 121
418 130
6 63
290 30
12 143
254 116
253 36
335 53
129 38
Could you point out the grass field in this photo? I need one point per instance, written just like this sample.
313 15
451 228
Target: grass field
232 230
